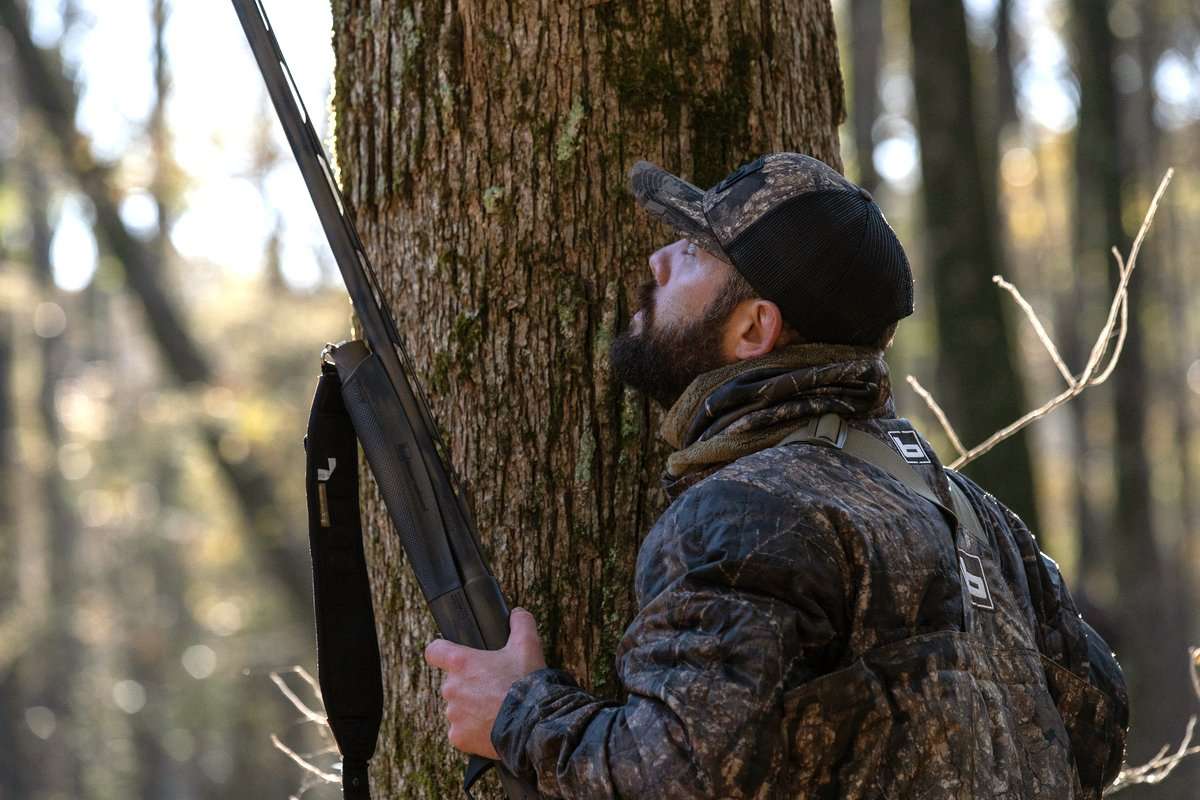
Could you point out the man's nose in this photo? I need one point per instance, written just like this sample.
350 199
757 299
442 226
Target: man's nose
659 266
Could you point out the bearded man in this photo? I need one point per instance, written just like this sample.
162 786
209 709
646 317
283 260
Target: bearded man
824 610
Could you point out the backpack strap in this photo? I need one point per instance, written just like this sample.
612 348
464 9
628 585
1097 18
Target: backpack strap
830 430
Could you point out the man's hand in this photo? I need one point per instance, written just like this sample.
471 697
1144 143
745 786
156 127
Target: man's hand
477 680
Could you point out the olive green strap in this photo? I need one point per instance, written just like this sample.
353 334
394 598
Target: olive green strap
832 431
966 512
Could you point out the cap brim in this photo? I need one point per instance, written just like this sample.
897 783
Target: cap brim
675 202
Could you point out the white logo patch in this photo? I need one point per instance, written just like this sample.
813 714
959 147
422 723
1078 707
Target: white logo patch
909 446
325 474
973 577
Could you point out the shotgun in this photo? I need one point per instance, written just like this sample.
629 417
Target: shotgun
392 421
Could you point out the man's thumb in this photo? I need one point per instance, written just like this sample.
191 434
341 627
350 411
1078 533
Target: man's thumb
522 629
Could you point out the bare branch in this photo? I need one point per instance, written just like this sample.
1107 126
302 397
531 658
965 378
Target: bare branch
310 680
1118 313
308 713
305 764
305 761
1158 768
1112 363
1037 327
937 412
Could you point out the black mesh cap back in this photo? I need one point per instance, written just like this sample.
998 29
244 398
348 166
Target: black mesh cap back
832 264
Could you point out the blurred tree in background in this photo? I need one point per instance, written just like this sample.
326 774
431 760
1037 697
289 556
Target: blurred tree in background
977 374
166 566
156 366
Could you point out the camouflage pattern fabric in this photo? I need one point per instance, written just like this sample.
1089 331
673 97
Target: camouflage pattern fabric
800 634
713 218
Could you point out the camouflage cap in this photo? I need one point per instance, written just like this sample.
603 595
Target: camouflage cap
801 234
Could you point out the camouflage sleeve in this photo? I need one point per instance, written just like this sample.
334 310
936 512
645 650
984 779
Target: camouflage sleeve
737 597
1088 687
1082 671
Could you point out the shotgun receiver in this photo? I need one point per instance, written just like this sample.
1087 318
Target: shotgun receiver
392 421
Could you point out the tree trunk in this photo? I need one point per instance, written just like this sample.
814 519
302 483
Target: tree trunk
1006 84
1171 353
485 148
866 32
12 732
146 645
978 378
57 681
1154 650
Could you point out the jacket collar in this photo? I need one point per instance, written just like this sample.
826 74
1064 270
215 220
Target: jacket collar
750 405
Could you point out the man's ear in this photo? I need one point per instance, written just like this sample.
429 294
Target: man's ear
754 329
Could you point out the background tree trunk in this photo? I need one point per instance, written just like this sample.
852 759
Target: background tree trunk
980 387
866 42
12 757
485 149
1147 613
1005 59
56 677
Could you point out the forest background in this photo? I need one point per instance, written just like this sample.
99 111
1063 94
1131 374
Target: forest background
165 291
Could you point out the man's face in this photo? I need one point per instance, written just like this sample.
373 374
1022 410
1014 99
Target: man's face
674 335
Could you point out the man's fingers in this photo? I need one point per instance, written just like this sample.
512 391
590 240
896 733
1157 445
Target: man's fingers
445 655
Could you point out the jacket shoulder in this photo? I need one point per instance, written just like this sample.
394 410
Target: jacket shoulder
740 517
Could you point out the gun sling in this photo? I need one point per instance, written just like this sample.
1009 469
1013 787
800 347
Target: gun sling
347 650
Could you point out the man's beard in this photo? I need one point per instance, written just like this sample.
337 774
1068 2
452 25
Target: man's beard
662 363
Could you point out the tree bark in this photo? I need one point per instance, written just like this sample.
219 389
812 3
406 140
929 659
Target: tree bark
484 149
978 379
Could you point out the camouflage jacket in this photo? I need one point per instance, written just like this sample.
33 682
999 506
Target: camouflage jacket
801 633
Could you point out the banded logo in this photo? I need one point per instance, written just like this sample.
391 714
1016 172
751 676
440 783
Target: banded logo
975 581
909 445
325 474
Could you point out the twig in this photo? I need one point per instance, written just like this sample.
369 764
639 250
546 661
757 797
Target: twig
301 706
1118 312
1037 327
1158 768
304 763
309 715
1124 325
310 680
937 412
